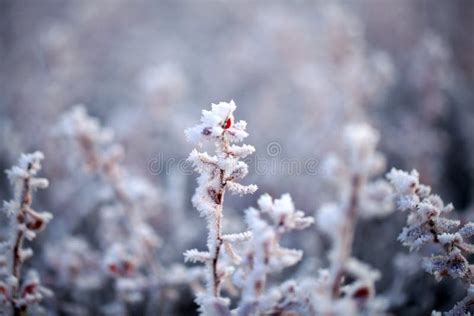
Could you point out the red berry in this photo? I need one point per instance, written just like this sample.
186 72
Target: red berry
113 268
128 267
227 123
29 288
361 293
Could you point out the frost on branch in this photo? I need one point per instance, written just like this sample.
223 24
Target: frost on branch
18 291
265 255
216 124
218 171
360 197
427 224
128 241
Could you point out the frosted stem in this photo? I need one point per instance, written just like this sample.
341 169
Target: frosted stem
347 236
18 244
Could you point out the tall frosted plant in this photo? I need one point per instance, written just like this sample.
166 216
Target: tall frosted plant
218 172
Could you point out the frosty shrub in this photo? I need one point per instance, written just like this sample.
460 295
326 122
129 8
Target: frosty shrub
261 253
243 273
128 241
19 291
427 225
265 255
360 197
218 172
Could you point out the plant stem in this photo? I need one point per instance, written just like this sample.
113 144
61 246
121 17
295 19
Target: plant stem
218 220
347 236
20 236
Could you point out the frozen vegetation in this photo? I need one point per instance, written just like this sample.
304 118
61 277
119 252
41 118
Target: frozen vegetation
134 184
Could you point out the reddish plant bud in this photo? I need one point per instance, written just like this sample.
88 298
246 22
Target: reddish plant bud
113 268
227 123
3 289
30 288
361 293
128 267
35 224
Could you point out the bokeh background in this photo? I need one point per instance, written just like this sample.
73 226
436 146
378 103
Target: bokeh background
299 71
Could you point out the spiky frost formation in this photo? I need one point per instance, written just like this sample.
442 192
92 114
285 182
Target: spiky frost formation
16 290
427 224
265 255
218 171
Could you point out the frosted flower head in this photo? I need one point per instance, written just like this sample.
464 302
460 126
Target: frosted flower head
362 139
31 162
404 182
361 136
283 213
28 165
31 291
376 199
77 122
94 142
217 123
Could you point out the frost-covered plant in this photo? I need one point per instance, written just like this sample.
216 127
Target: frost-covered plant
360 197
265 255
17 291
427 224
128 240
218 172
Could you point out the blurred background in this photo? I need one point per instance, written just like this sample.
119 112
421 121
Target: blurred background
299 71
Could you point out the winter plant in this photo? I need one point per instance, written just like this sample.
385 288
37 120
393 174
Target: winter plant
129 242
245 273
360 197
218 172
18 291
331 293
265 255
428 225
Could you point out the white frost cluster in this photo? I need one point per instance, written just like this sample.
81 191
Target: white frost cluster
361 141
260 249
127 240
427 224
265 255
78 122
360 197
217 123
361 163
25 223
218 172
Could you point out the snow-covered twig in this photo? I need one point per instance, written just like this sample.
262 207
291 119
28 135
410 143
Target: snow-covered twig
129 241
218 172
427 224
265 254
25 223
